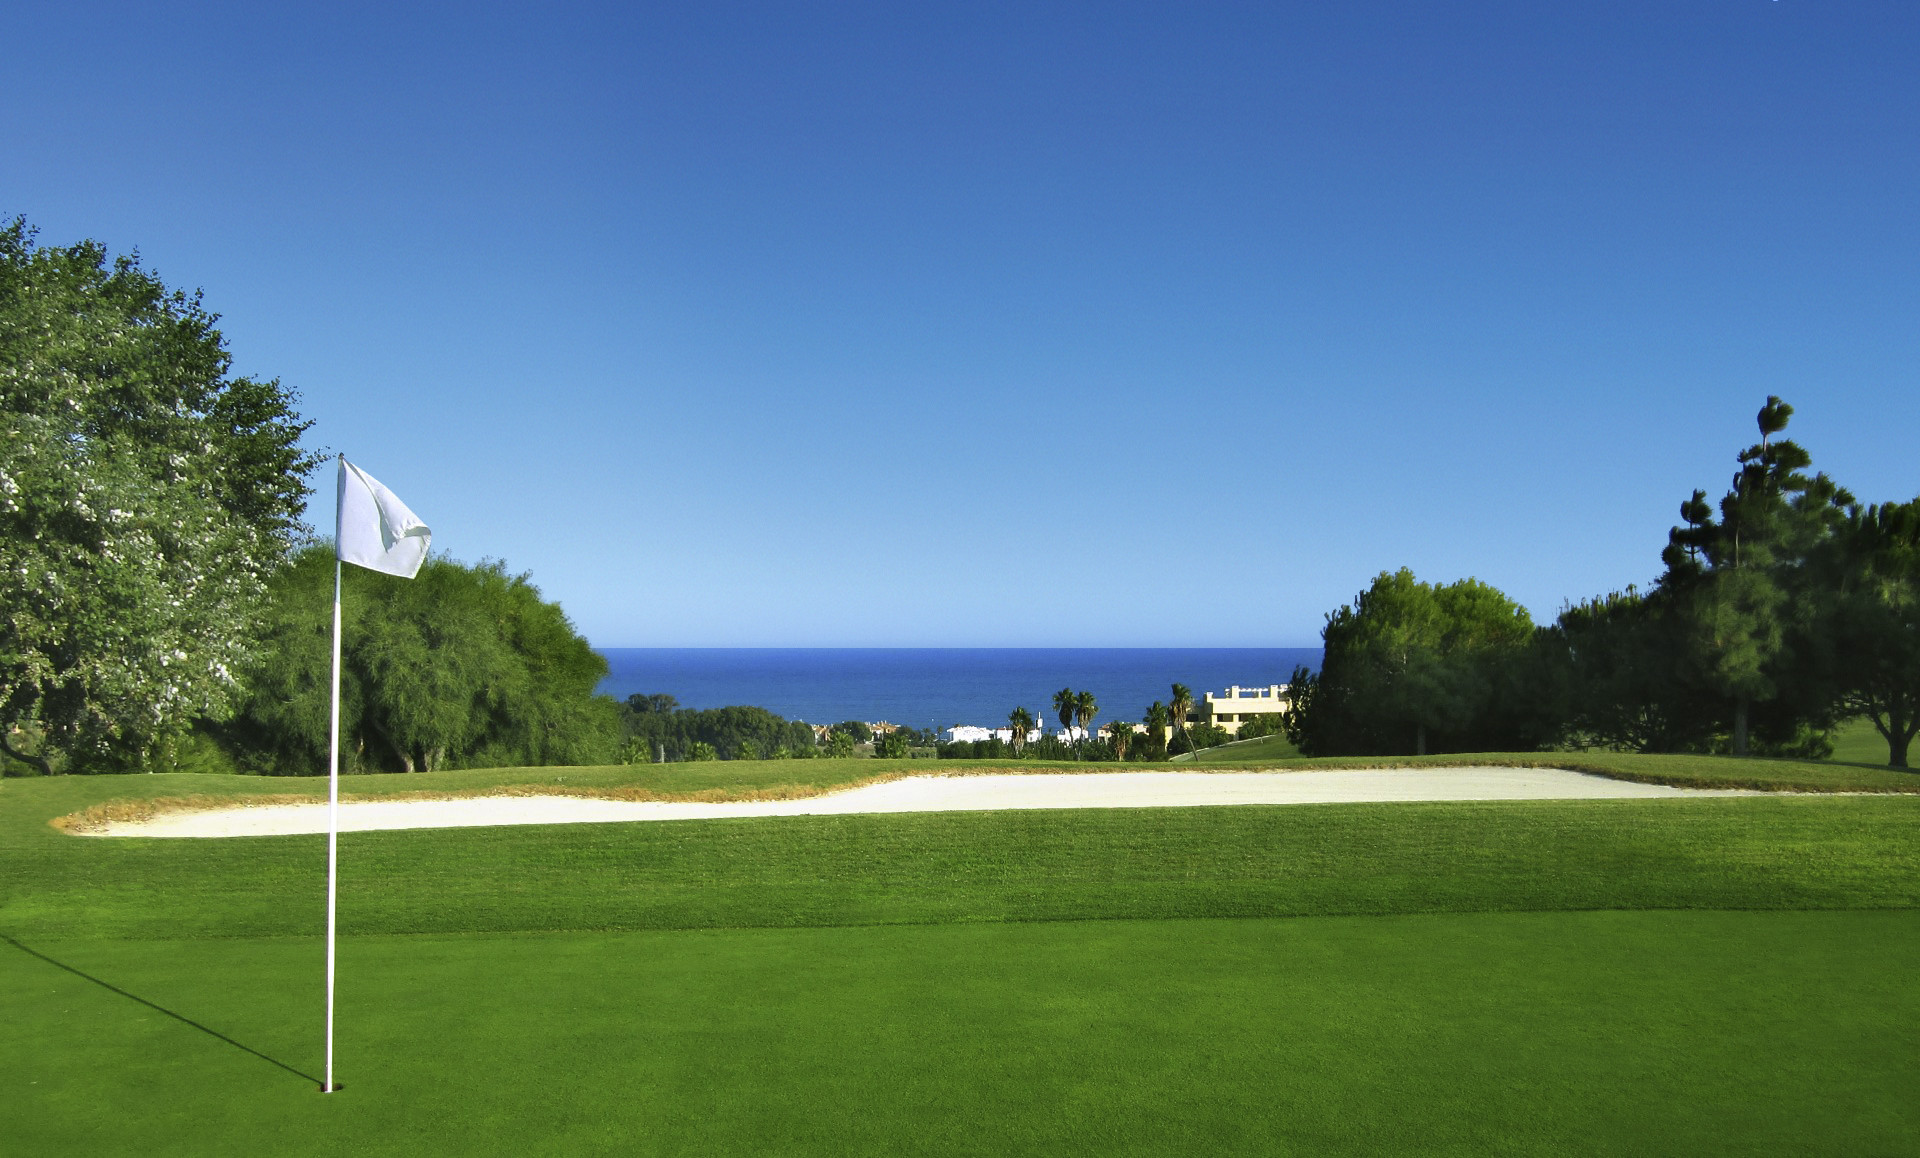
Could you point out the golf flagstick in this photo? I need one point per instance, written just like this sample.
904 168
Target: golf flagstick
373 529
333 814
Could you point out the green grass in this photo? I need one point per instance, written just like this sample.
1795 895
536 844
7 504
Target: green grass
1523 1034
1259 749
1857 741
1725 975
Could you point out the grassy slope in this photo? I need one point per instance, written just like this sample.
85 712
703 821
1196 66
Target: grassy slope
625 988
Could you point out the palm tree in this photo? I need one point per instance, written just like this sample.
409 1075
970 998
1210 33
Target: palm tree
1020 720
1180 707
1063 706
1085 708
1119 733
1157 716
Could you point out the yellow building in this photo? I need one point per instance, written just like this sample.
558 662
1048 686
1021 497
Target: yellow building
1237 705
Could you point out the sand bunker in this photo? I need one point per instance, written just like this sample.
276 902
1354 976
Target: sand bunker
937 794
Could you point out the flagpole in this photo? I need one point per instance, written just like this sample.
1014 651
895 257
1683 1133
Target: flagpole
333 800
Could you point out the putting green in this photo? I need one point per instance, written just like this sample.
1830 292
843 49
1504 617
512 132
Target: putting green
1640 1033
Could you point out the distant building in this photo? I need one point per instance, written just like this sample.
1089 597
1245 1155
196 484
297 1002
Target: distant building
968 734
1237 705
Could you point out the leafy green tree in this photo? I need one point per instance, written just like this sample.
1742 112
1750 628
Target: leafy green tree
1871 572
1120 735
1019 723
747 750
1615 666
701 751
641 703
892 746
839 745
1411 666
461 666
146 497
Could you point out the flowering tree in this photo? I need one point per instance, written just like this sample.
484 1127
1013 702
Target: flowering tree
145 497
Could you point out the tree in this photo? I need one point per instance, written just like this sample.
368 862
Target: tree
1180 708
1019 723
839 745
1734 576
461 666
1063 705
1119 734
1157 718
1085 708
892 746
1412 666
1615 665
641 703
146 497
1871 568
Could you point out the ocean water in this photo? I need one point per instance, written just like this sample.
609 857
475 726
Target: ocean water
939 687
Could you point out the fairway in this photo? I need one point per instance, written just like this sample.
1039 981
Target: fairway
1682 976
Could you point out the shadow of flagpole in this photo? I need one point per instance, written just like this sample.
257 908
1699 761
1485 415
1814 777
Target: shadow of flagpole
182 1019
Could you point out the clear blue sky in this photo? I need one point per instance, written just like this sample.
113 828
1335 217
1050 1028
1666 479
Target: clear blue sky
1020 324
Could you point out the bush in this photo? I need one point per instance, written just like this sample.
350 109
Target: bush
1264 724
733 732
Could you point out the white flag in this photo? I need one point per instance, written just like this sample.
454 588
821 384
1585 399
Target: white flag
376 530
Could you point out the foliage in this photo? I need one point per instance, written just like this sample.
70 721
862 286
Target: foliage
1738 578
1179 708
701 750
146 497
860 732
1198 736
1120 737
990 748
1618 668
1085 708
1063 707
1262 724
733 733
892 746
1413 667
1871 569
1020 723
461 666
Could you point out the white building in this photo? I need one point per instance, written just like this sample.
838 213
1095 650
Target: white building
1237 705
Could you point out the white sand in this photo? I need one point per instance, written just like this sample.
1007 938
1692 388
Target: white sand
939 794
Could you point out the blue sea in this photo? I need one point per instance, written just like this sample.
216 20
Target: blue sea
939 687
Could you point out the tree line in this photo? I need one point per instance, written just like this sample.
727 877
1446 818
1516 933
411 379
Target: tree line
1781 610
